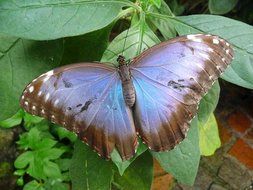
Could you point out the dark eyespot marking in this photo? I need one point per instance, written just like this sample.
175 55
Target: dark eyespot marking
79 105
180 80
86 105
66 83
182 54
69 108
175 85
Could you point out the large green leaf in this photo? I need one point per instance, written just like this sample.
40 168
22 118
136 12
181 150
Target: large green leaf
13 121
209 139
183 161
88 171
221 6
163 25
88 47
138 176
130 43
51 19
238 33
20 62
208 103
122 165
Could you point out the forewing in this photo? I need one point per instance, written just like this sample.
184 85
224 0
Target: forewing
170 79
86 99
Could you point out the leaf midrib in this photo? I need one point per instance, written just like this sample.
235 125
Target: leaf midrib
70 4
162 16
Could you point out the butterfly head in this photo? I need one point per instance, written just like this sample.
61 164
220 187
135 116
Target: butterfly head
121 60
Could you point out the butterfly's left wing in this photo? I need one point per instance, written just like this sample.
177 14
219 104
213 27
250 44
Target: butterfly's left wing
170 79
87 99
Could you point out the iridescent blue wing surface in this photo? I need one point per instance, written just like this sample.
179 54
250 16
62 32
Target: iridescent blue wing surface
170 79
87 99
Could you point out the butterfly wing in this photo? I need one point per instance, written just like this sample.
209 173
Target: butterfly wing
86 99
170 79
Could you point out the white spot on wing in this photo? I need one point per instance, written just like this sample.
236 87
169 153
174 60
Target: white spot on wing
23 97
47 96
194 38
43 111
34 80
31 89
34 108
40 92
49 73
210 49
227 51
56 102
26 103
218 67
46 79
223 59
215 41
206 56
227 44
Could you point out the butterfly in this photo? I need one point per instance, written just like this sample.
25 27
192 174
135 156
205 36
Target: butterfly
154 96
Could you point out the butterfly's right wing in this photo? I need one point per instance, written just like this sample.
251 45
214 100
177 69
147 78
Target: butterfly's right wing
170 79
86 99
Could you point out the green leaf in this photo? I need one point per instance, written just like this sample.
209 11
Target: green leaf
183 161
64 133
51 170
165 26
208 130
157 3
19 172
35 168
23 160
59 186
51 19
209 139
30 120
20 62
239 34
49 153
13 121
33 137
45 143
208 103
122 165
20 181
33 185
221 6
176 7
138 176
130 43
88 170
88 47
64 164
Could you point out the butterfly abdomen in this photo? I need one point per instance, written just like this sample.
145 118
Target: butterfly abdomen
128 93
127 83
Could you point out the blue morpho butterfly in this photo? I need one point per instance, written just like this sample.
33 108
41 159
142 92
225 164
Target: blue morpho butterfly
155 96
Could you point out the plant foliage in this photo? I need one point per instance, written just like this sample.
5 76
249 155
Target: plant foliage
84 30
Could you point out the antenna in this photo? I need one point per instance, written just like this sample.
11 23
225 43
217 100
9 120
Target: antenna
124 45
126 38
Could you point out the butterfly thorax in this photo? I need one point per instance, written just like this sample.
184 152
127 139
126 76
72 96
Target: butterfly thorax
127 83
